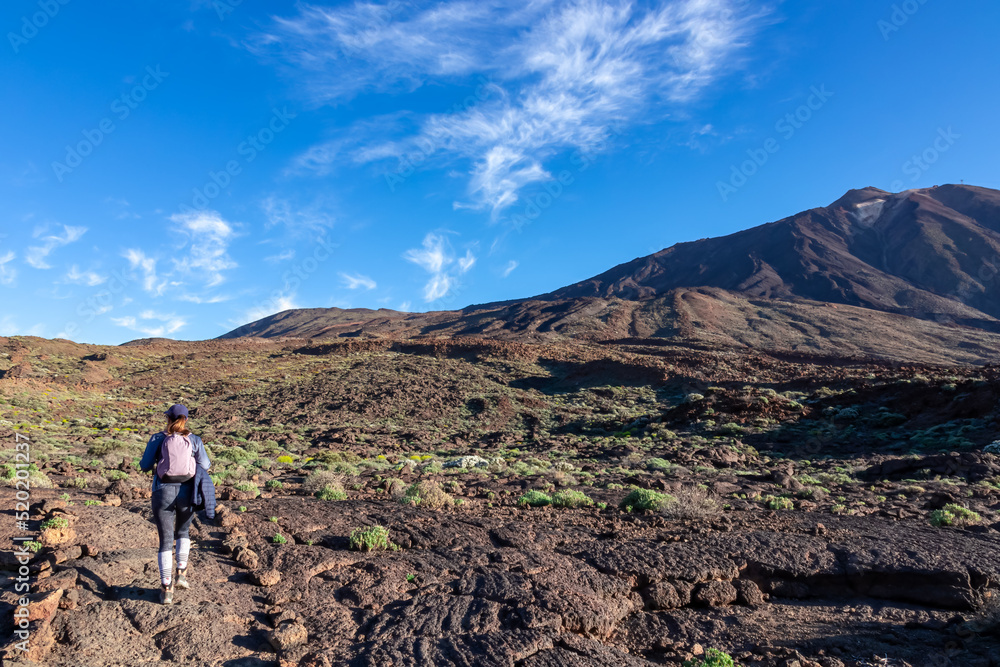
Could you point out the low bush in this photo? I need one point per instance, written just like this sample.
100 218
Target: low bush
693 504
320 479
535 499
954 515
659 464
777 503
426 494
371 538
571 499
55 522
332 491
713 658
640 500
247 487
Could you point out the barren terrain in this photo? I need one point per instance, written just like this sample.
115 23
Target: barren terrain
622 503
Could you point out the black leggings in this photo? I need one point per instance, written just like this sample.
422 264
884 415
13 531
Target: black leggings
173 513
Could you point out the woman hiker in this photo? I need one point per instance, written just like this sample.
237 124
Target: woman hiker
180 461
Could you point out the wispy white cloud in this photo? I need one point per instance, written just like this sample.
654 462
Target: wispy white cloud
509 269
152 283
144 323
567 73
467 262
357 281
194 298
405 306
277 304
280 257
297 220
7 274
88 278
436 257
208 253
36 255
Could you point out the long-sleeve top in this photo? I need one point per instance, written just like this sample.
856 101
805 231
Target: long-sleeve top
152 455
204 492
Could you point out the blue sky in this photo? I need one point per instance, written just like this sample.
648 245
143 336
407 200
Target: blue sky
179 169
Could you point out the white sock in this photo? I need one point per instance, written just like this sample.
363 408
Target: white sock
183 549
165 560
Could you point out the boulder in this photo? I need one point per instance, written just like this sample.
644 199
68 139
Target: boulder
748 593
714 594
266 578
288 635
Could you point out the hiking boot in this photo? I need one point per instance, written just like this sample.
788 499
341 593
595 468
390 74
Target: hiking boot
182 581
167 594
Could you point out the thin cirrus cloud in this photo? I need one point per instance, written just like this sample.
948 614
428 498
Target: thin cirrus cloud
357 281
37 256
560 75
276 304
436 257
88 278
146 323
7 274
509 269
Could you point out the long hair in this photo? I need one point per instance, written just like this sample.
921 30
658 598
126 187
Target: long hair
178 426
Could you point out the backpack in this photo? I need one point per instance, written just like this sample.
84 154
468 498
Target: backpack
176 459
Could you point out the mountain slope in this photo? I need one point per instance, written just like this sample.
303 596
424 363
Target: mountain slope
925 253
907 276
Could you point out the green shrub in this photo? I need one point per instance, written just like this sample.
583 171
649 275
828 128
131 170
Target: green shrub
91 503
535 498
286 460
640 500
426 494
659 464
279 539
571 499
773 503
55 522
731 428
371 538
115 475
954 515
247 487
332 491
274 484
713 658
33 546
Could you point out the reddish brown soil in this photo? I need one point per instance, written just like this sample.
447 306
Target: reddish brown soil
850 573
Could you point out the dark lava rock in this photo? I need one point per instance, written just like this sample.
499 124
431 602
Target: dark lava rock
714 594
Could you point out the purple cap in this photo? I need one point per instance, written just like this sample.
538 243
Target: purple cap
176 411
